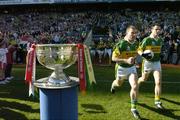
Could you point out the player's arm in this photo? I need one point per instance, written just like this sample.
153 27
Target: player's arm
116 57
141 48
141 51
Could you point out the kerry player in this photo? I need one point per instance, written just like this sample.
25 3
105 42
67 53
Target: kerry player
124 55
152 64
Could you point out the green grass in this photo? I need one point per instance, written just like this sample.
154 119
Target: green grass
98 103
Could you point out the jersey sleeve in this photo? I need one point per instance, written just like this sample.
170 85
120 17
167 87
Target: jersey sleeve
142 45
116 52
117 49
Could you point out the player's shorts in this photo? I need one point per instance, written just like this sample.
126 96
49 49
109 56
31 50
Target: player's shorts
93 52
108 51
149 66
100 52
123 72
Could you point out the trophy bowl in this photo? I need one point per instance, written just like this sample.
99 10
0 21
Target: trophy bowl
57 57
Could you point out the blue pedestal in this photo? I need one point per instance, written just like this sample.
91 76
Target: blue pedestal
59 104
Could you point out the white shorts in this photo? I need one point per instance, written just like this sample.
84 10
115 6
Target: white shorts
123 73
93 52
108 51
100 52
149 66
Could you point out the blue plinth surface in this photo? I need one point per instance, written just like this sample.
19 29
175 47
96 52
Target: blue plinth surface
58 104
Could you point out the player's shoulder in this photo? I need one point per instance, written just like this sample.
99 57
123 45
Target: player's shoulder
119 42
123 41
147 38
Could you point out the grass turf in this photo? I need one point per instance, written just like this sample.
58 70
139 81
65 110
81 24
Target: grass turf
98 103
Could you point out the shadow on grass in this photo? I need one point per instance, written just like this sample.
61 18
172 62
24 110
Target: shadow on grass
93 108
8 114
16 90
144 119
168 100
24 98
7 110
165 112
171 101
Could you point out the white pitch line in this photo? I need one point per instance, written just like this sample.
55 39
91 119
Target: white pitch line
150 82
106 81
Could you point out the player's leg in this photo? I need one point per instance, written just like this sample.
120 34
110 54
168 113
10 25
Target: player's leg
157 90
92 53
158 81
157 78
105 53
146 69
134 89
100 52
134 94
116 83
120 77
143 77
109 55
2 73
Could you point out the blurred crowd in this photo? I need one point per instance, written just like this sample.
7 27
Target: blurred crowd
20 30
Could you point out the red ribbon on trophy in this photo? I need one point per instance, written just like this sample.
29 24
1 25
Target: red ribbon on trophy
30 68
81 68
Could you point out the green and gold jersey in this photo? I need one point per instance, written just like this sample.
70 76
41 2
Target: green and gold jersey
152 44
123 49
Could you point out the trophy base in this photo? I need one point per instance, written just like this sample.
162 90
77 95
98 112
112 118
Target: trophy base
44 83
54 81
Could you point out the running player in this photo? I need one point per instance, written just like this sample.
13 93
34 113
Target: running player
153 43
124 55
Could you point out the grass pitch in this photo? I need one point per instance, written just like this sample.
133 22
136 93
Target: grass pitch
98 103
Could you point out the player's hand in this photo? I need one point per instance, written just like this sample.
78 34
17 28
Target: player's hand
147 56
131 60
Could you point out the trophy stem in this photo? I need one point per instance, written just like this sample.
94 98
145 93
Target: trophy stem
58 76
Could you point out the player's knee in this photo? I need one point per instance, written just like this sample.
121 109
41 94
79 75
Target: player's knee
142 79
119 82
158 82
134 87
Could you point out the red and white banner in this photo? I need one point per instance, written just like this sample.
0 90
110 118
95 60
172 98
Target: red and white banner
81 68
30 69
85 69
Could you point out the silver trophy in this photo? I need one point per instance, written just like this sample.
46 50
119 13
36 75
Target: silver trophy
56 57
